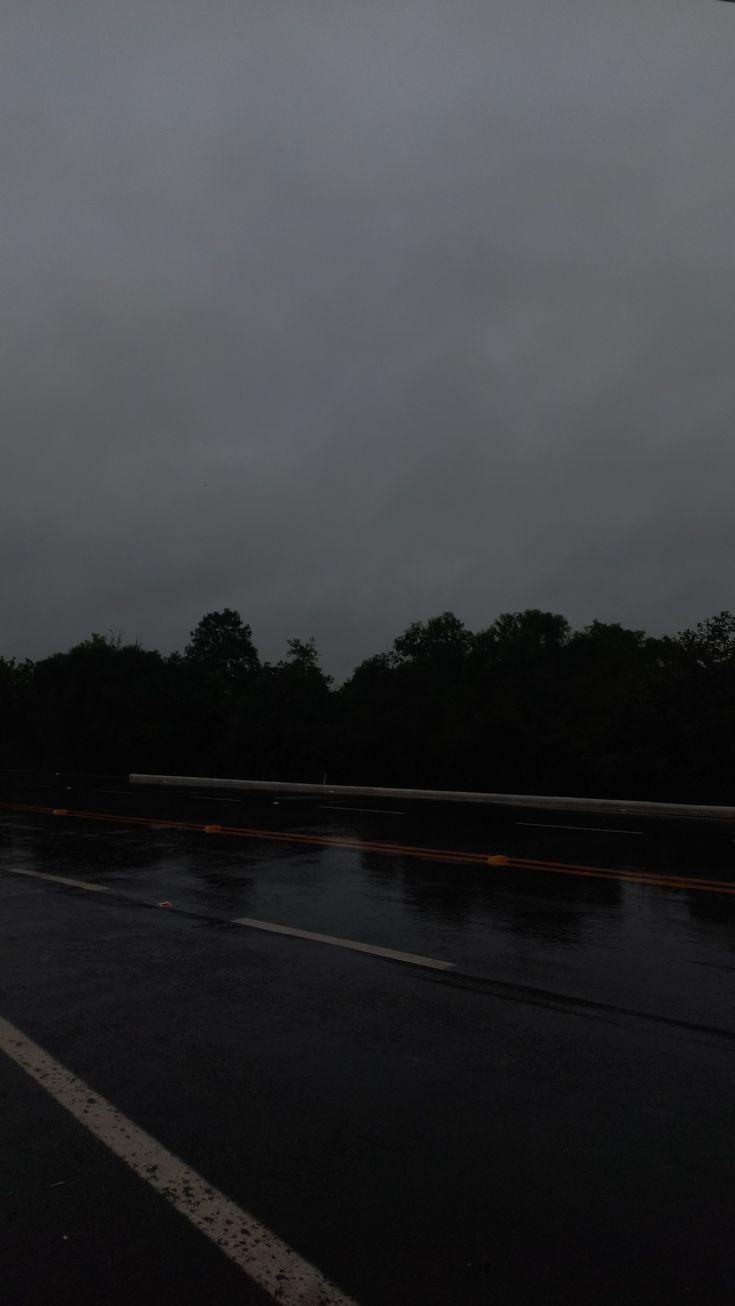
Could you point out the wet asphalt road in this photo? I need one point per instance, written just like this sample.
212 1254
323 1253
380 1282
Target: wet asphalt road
551 1120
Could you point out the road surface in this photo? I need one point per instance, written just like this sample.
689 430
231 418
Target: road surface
485 1080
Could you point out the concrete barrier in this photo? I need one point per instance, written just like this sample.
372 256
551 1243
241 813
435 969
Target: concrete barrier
535 802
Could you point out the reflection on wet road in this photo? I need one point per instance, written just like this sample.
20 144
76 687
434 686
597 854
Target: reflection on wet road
664 950
529 1126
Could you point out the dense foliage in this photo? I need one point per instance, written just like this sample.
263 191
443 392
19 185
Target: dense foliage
526 705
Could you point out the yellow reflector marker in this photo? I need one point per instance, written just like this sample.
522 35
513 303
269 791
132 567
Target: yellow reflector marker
60 811
498 859
213 829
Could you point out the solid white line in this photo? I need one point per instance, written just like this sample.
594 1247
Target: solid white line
59 879
259 1253
339 807
410 958
594 829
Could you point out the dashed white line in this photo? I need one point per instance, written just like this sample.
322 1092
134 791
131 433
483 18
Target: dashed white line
59 879
352 945
378 811
255 1249
202 798
270 927
593 829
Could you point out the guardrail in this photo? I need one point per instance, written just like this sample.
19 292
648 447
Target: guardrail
536 802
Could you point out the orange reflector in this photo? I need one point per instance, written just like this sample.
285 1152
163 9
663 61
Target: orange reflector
213 829
60 811
498 859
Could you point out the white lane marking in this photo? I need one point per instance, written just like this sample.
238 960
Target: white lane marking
202 798
339 807
410 958
59 879
593 829
255 1249
352 945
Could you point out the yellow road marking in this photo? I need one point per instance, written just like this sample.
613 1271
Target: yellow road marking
456 857
662 880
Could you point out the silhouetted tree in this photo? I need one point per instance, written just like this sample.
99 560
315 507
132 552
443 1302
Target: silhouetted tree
288 717
712 642
523 705
100 706
17 746
221 641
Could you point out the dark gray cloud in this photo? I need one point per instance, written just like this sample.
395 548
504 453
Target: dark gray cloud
343 314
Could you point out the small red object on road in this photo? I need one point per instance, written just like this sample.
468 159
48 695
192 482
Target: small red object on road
165 904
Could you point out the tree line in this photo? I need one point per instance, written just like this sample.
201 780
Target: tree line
526 705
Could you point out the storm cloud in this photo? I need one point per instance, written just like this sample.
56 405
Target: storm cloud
343 314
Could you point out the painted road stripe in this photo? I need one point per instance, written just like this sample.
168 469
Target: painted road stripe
352 945
431 963
59 879
378 811
594 829
410 958
204 798
259 1253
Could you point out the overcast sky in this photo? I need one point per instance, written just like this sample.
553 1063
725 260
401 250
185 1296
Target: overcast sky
343 314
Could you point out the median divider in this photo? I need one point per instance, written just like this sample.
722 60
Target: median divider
696 812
